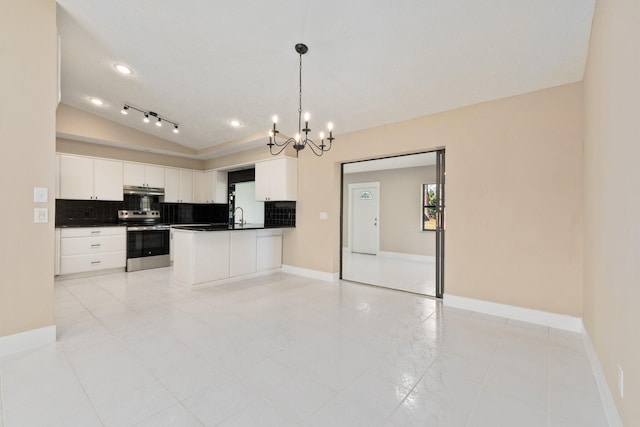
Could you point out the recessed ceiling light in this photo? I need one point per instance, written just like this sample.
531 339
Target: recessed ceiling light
235 123
96 101
123 69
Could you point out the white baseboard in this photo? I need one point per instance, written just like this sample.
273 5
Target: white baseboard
313 274
27 340
407 257
559 321
609 405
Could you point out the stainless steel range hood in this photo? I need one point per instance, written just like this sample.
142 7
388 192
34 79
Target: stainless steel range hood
143 191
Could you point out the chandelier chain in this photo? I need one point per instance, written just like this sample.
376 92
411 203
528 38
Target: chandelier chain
300 97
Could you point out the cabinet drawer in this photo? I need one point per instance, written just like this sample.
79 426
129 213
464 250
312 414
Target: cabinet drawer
93 231
92 262
90 245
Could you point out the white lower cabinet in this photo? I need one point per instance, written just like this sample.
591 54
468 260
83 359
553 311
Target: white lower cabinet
91 249
202 257
242 252
269 250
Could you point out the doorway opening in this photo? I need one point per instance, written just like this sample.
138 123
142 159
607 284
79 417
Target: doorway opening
392 222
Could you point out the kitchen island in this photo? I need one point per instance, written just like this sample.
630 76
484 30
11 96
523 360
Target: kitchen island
216 253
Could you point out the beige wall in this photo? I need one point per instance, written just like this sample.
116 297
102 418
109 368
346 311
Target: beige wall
88 149
523 155
400 209
27 114
612 204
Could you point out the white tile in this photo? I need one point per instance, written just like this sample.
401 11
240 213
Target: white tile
266 375
420 411
51 409
496 409
367 401
288 350
260 414
401 371
299 396
130 407
219 402
175 416
464 368
448 391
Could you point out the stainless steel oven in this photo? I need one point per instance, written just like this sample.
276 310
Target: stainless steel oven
147 240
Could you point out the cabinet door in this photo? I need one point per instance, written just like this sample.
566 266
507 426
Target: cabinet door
154 176
220 189
186 186
133 174
200 188
171 185
215 187
76 178
242 253
283 179
107 180
269 252
262 180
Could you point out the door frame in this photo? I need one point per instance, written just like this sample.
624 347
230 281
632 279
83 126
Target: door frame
441 223
350 219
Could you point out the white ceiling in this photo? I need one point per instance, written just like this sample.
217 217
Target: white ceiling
201 63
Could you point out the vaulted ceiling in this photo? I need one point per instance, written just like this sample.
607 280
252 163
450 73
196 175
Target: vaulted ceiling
202 63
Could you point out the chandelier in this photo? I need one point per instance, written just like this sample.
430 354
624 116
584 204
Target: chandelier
301 139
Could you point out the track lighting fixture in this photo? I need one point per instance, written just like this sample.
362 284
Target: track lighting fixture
148 115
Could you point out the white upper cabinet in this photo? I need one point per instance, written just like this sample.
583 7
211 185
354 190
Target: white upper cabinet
154 176
85 178
277 179
143 175
199 187
210 187
178 185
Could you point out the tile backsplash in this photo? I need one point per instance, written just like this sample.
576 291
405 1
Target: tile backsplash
97 212
280 214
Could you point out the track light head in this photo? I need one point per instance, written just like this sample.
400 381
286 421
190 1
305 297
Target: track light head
175 129
146 118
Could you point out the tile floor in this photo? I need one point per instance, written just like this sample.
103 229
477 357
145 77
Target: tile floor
281 350
395 273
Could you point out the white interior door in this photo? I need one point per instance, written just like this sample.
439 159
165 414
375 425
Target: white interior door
365 208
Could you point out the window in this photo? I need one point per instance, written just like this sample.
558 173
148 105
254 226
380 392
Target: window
429 204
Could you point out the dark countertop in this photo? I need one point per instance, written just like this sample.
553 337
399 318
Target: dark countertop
81 225
222 227
191 227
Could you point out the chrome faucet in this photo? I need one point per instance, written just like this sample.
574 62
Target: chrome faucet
241 215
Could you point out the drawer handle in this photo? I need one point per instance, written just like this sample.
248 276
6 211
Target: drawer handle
96 262
95 245
96 232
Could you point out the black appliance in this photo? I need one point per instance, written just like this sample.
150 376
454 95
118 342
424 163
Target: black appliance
147 239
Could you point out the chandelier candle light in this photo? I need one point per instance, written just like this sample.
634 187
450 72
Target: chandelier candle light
148 115
300 141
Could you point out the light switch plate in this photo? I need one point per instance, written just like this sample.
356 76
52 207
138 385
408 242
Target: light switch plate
40 215
40 194
324 215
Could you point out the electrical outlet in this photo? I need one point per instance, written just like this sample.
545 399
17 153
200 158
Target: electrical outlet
620 381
